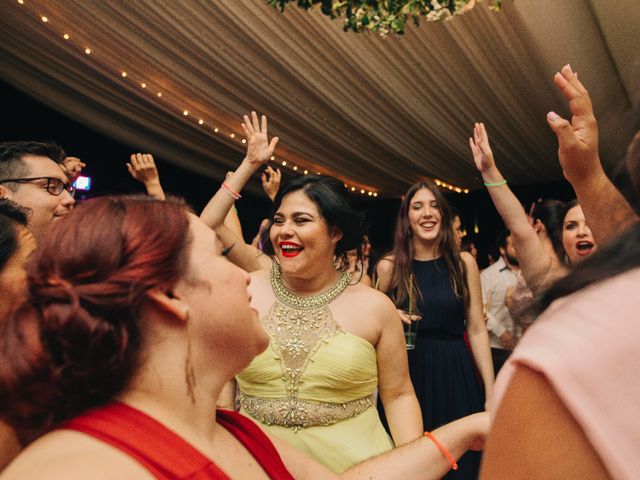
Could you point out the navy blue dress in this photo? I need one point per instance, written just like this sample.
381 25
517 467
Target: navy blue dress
441 366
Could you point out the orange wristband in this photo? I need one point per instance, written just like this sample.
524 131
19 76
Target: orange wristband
444 451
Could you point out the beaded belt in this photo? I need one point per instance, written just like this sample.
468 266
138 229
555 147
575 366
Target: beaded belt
296 414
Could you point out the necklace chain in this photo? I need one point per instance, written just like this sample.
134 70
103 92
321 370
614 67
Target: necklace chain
290 299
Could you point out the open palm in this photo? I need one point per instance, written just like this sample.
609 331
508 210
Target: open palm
479 143
259 148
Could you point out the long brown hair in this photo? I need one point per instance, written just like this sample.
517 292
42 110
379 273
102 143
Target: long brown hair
446 245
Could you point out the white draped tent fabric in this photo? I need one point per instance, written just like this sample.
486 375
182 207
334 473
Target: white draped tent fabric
377 112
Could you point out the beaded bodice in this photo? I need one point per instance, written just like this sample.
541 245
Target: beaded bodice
298 327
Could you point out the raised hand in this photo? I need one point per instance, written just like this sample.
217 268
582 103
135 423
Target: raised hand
482 154
259 148
143 168
271 181
72 167
578 140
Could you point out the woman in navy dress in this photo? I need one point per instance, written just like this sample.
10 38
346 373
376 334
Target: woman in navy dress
427 269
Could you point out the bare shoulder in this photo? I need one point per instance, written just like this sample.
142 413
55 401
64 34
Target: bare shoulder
69 455
468 260
370 300
385 265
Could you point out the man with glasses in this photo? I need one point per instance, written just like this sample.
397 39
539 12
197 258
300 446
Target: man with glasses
32 175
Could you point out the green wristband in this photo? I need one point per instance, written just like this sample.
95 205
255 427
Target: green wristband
496 184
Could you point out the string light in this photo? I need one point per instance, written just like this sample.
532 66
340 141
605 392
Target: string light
20 2
448 186
201 121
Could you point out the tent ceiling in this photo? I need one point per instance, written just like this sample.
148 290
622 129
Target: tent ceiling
379 113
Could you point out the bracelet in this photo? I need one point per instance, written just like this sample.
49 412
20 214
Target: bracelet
496 184
228 189
444 451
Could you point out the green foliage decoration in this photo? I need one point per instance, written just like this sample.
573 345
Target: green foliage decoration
386 16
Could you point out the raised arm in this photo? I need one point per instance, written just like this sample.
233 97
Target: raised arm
271 179
143 169
534 260
259 150
72 168
605 209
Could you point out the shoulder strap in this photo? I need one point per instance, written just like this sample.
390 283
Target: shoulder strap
256 442
162 452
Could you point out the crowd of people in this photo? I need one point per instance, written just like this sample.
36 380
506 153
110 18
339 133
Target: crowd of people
159 344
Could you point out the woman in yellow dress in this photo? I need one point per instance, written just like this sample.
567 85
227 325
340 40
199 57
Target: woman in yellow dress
333 342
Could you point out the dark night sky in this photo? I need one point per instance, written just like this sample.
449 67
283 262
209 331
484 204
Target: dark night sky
27 119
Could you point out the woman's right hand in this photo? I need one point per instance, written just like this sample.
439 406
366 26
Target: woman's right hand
259 148
406 318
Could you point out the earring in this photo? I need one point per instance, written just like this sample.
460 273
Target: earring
189 370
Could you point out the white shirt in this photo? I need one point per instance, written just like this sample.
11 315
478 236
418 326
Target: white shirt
495 280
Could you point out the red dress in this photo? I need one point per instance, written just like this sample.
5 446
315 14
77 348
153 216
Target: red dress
165 454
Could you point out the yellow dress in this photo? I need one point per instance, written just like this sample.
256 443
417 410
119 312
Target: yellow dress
314 386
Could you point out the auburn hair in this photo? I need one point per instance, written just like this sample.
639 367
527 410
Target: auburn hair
74 343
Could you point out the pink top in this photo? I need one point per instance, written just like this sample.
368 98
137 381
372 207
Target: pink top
586 345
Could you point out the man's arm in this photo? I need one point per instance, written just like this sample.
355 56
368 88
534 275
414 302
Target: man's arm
605 209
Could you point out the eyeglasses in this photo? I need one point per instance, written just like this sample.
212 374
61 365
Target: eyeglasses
54 186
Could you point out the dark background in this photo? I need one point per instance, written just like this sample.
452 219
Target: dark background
25 118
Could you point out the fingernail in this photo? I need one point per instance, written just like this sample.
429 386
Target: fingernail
552 116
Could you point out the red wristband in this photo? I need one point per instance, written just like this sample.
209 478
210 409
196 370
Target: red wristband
234 195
